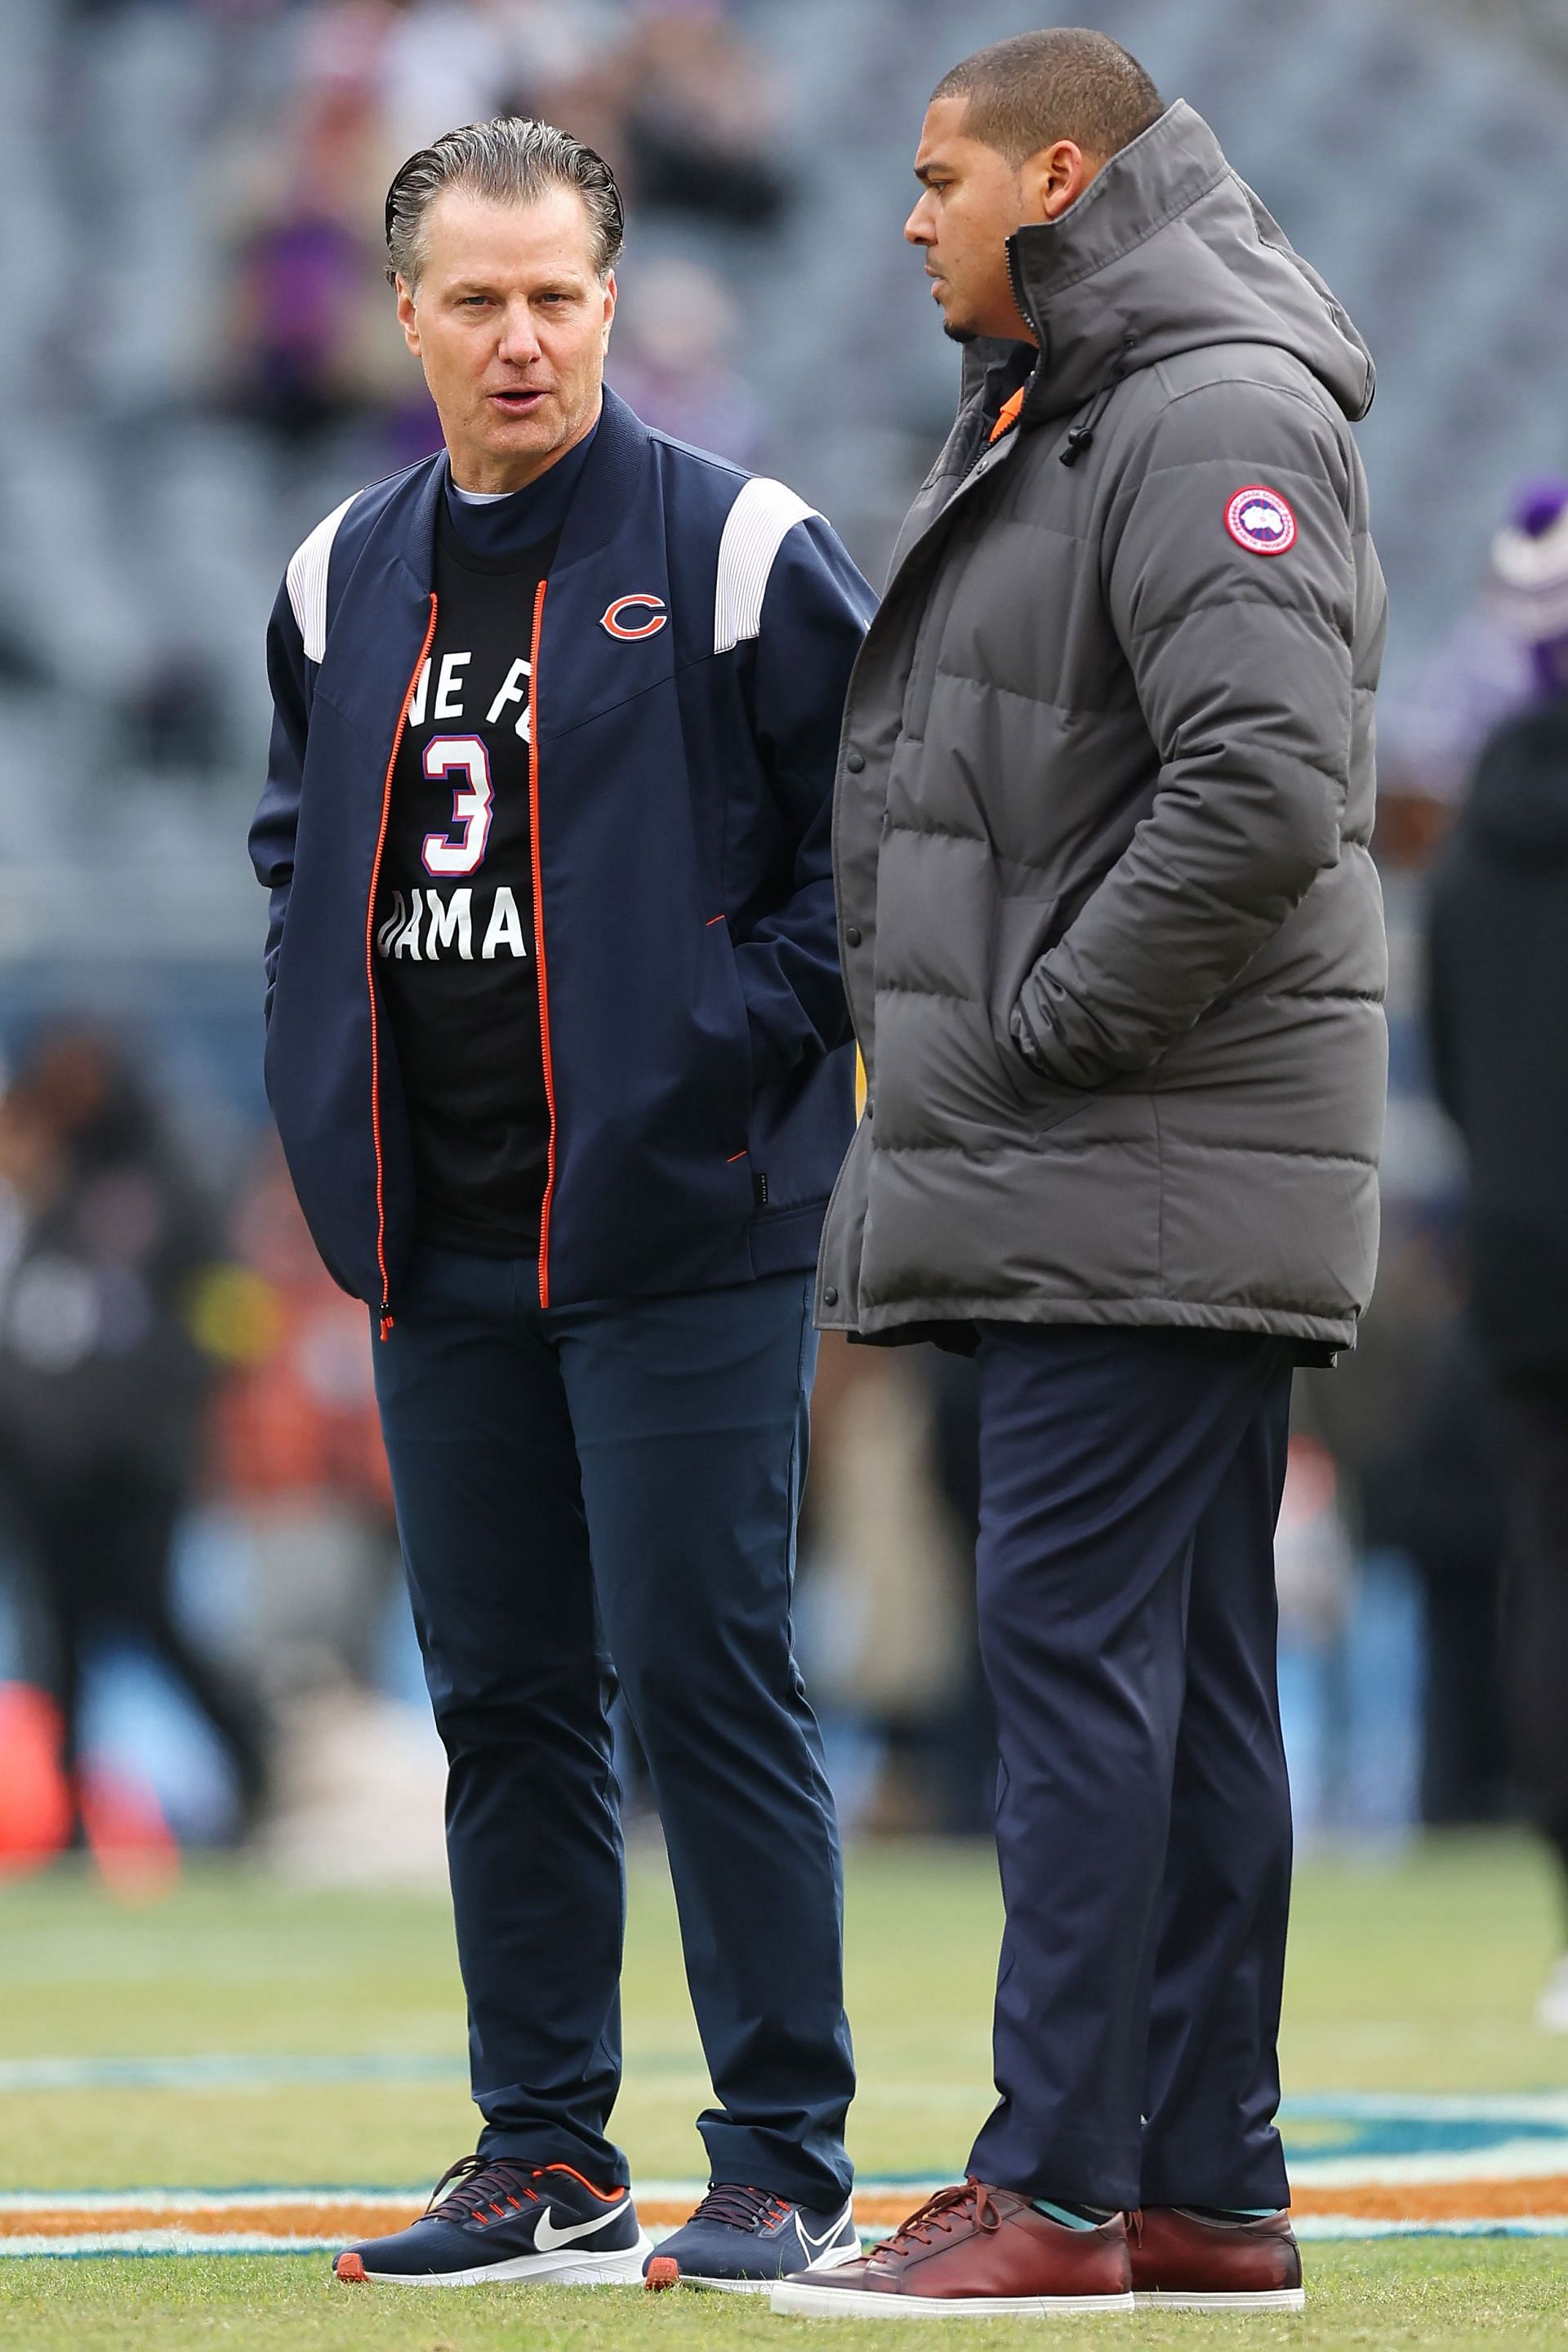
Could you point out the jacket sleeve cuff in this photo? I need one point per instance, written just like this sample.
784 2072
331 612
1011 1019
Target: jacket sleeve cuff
1023 1038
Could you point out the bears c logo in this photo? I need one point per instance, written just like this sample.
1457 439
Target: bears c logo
1260 520
630 616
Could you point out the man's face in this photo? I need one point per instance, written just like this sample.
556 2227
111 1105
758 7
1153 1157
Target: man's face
973 199
511 323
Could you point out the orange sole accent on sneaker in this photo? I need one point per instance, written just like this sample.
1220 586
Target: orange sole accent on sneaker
350 2267
662 2272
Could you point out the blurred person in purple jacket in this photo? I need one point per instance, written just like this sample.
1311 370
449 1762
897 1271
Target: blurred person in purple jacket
1499 1012
309 356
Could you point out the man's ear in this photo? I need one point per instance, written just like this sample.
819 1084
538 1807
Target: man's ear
1056 177
407 316
611 295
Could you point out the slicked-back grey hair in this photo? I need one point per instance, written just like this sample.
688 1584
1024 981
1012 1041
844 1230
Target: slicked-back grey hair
510 161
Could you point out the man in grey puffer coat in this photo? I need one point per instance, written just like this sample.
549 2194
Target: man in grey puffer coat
1113 942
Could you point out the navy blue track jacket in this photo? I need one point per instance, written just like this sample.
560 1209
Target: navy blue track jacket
690 651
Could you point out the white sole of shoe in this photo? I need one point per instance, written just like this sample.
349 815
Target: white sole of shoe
1280 2298
834 2262
570 2267
798 2299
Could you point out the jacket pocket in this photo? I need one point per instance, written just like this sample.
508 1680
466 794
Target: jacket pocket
725 1020
1025 928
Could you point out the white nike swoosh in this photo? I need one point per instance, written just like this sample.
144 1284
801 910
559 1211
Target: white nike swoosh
547 2237
815 2245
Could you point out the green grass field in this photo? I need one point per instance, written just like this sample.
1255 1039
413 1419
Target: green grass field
1419 1973
1449 2295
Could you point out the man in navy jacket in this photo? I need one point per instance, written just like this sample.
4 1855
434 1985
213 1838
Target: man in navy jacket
560 1058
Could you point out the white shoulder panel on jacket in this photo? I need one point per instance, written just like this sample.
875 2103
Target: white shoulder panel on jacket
755 531
307 578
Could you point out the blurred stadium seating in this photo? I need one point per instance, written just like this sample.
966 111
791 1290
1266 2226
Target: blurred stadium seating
152 492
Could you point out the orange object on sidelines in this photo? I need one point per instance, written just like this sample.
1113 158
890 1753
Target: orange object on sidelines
35 1803
137 1853
134 1848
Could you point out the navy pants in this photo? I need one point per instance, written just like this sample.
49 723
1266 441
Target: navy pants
1130 1486
604 1494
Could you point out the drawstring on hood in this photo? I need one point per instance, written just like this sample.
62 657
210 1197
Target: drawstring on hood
1081 435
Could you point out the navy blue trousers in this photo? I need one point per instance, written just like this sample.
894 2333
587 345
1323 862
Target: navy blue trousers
1130 1486
589 1496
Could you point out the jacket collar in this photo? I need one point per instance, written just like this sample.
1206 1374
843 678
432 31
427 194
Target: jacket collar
597 510
609 483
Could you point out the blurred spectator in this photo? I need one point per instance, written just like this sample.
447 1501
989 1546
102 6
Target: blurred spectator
1350 1650
1417 1481
103 1385
965 1737
314 351
1499 1011
419 67
672 357
888 1604
298 1457
1477 676
700 127
675 93
1439 1497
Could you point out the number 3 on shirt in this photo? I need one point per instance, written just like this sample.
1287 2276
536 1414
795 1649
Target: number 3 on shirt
465 756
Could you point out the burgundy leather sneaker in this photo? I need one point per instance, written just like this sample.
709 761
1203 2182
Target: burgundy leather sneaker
971 2250
1184 2262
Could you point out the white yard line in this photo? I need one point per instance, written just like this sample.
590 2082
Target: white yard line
1512 2159
1319 2227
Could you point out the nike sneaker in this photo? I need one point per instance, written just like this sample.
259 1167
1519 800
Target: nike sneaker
502 2219
741 2240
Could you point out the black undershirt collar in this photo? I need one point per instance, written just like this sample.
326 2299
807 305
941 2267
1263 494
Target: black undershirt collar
504 528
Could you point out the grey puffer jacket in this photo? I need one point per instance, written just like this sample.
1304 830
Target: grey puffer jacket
1111 930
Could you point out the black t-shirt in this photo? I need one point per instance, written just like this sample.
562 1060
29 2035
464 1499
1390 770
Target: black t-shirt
454 920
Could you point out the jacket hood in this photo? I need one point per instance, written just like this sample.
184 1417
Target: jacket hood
1518 811
1167 251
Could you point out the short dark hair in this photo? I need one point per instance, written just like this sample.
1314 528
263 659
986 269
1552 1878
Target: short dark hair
510 161
1066 83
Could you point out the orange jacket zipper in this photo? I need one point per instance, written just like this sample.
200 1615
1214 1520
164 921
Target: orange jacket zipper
541 973
370 978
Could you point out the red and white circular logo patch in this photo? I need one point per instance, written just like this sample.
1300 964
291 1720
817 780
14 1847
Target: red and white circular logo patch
634 616
1260 520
